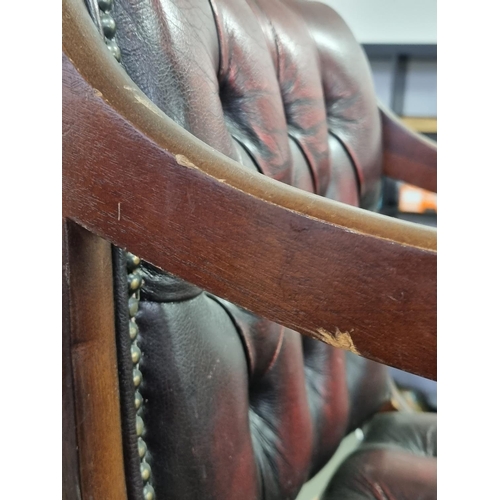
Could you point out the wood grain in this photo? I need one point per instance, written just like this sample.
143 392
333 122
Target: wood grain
94 371
70 464
339 274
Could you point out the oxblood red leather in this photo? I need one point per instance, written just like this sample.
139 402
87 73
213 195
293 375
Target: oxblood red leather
237 407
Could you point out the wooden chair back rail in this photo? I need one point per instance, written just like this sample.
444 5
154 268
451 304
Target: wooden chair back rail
351 278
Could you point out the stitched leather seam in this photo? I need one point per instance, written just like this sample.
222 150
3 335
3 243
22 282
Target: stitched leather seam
276 352
242 144
223 56
277 45
356 170
243 338
312 171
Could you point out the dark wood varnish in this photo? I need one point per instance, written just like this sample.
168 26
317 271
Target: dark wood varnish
70 465
92 446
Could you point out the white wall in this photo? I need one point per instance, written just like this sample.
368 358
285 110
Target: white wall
421 89
383 79
397 22
390 21
421 86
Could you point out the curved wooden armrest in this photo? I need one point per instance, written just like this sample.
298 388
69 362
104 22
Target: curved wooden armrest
408 156
354 279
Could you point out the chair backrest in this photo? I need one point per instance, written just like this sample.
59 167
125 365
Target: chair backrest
281 87
229 405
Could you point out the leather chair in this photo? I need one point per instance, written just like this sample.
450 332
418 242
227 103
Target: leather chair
215 401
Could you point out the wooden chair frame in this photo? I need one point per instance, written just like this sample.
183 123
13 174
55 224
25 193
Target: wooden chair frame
133 178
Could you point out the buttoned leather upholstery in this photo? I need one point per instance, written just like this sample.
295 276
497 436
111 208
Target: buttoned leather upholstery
237 407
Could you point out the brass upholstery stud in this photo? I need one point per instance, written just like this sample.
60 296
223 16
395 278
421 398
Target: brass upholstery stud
141 446
132 330
137 377
132 262
149 492
139 425
138 400
135 354
114 49
108 26
105 5
145 470
134 281
133 306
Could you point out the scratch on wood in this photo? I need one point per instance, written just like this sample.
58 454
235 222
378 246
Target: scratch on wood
143 100
339 339
185 162
119 211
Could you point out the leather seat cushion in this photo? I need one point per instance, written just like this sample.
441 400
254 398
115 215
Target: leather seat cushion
398 460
